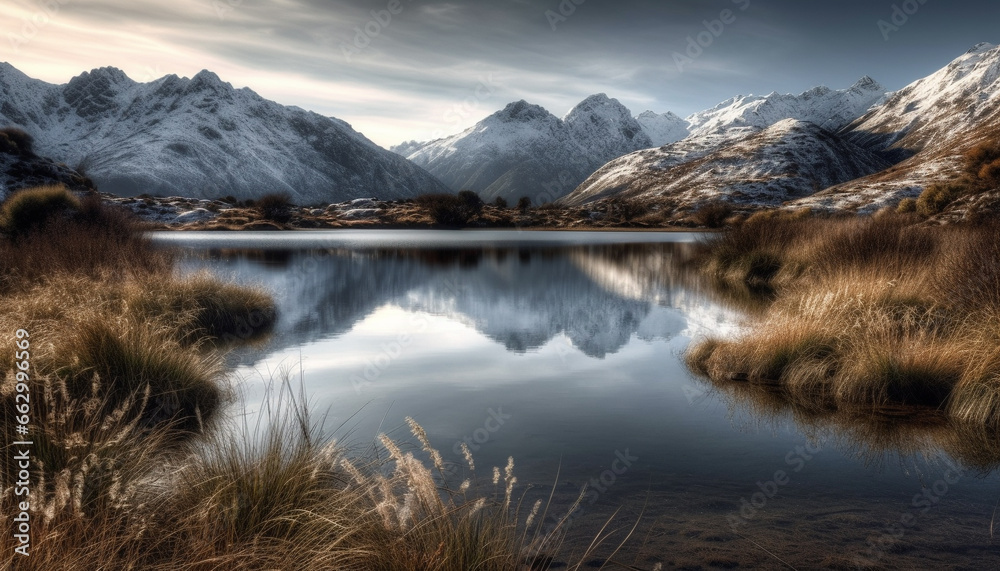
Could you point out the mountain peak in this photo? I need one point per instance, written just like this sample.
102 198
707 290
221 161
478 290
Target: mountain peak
106 75
980 48
522 112
595 101
207 78
663 128
866 83
831 109
184 137
599 104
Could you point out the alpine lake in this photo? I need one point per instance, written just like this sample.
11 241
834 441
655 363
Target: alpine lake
565 351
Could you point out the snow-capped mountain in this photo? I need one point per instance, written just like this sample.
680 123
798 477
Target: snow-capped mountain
663 128
928 125
787 160
928 112
828 108
523 150
200 138
751 150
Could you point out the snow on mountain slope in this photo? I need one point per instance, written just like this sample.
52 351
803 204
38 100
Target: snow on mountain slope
664 128
201 138
789 159
828 108
929 123
928 112
523 150
674 168
19 170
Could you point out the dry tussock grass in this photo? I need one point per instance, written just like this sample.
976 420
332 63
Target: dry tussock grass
134 468
865 314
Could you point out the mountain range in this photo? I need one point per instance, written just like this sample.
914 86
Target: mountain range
925 128
200 138
524 150
858 148
854 149
519 150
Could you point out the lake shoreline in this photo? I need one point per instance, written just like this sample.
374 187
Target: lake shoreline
179 213
878 315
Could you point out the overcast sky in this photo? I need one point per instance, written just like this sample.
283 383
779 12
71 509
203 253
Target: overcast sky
435 67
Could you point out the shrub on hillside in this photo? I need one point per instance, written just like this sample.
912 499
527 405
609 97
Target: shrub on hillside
452 211
713 214
16 141
936 197
32 208
500 202
274 207
523 203
989 174
626 209
983 161
907 206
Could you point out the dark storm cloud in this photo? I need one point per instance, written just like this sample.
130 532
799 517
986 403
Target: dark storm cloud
409 68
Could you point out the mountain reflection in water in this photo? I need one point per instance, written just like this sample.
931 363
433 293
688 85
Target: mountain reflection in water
582 346
598 296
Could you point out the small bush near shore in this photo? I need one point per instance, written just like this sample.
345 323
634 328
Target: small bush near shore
31 208
274 207
866 313
714 214
452 211
97 241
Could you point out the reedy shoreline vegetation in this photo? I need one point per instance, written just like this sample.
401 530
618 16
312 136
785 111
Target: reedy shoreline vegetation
133 466
882 315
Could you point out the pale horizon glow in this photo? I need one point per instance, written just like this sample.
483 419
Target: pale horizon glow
438 67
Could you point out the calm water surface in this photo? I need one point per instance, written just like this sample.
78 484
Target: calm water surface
565 351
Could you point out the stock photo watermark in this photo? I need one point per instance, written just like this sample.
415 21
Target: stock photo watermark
455 115
900 16
365 34
698 43
224 7
596 487
562 13
765 491
921 504
473 442
387 354
494 422
390 351
32 25
21 446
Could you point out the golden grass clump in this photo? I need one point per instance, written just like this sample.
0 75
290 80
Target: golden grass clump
31 208
273 495
134 467
878 314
